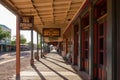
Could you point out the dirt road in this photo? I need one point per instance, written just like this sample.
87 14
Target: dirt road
8 64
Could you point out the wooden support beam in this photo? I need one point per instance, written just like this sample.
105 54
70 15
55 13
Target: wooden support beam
17 48
91 43
32 60
37 48
41 44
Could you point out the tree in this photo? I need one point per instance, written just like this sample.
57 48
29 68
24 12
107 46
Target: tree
13 40
22 40
4 34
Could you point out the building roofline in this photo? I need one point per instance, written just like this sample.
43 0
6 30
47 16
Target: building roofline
4 26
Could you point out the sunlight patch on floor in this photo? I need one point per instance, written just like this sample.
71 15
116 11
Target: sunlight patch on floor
45 73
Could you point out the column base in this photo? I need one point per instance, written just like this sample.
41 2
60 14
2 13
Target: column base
37 58
32 62
17 76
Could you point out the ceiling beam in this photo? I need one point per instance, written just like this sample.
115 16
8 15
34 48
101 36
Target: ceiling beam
37 11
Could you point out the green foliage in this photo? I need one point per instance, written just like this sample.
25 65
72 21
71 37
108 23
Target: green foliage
22 40
13 42
39 45
4 34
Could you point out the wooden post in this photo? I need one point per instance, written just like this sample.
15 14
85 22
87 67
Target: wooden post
113 40
37 48
91 43
17 47
41 45
32 60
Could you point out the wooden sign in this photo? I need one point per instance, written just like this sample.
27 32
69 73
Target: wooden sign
51 32
53 38
26 22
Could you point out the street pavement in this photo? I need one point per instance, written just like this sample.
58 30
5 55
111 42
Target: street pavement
53 67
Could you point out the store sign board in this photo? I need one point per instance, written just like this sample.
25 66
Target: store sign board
26 22
51 32
53 38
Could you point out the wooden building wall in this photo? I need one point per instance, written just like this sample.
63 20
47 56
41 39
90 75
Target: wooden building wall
98 39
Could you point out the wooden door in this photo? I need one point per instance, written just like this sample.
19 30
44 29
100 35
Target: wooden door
85 49
100 50
76 45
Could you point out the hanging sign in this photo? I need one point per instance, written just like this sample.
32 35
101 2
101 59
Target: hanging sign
51 32
26 22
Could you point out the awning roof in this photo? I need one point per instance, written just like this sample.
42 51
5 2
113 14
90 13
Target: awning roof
47 13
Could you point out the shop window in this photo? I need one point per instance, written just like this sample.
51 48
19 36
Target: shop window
100 47
101 30
101 44
85 42
100 15
101 58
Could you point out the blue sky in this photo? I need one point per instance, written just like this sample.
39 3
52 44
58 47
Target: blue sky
9 19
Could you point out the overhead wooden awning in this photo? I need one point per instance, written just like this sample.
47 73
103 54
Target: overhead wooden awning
47 13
